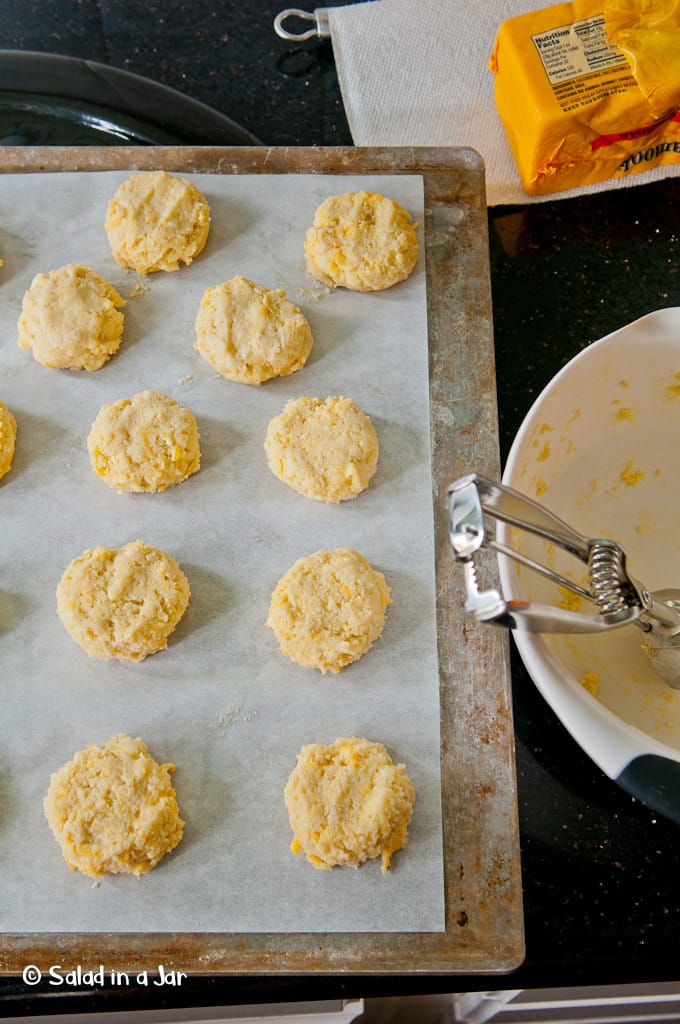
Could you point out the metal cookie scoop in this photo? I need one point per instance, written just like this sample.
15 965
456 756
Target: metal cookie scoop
621 599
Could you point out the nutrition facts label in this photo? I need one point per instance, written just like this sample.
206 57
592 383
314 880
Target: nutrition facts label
577 49
580 62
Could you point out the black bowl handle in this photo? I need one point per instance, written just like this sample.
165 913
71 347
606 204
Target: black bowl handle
655 781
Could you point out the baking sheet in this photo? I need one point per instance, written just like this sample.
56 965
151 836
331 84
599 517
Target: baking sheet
221 703
482 880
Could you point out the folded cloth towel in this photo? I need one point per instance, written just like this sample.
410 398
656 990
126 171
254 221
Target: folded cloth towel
414 73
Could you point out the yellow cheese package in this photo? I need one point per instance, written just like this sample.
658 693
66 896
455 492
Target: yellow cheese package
571 106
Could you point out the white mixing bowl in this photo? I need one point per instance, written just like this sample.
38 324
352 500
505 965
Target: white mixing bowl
600 448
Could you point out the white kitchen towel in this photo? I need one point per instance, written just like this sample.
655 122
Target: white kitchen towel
414 73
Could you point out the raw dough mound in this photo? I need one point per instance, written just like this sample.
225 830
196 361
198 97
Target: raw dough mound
71 319
325 450
144 443
113 809
156 222
8 435
249 333
328 609
362 241
122 602
348 802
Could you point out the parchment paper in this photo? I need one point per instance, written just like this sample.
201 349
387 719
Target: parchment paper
221 703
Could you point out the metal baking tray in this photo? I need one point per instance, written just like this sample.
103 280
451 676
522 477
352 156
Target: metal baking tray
484 930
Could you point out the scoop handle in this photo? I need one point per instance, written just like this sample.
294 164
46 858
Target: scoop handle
516 509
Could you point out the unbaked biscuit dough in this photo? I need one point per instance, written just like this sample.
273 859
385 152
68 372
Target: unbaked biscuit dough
8 434
122 602
144 443
113 809
362 241
249 333
325 450
71 319
156 221
329 609
348 802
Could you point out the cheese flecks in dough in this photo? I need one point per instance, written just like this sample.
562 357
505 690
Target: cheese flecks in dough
71 319
348 803
363 241
249 333
144 443
122 602
112 809
8 435
329 609
327 450
156 221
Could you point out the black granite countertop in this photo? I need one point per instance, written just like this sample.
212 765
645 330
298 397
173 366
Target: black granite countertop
602 901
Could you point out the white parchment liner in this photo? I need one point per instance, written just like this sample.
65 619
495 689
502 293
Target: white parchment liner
222 703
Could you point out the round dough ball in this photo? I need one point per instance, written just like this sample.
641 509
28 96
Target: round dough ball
362 241
122 602
71 319
156 222
325 450
144 443
8 435
249 333
328 609
348 802
113 809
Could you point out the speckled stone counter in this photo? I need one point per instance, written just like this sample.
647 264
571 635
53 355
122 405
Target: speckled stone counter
602 902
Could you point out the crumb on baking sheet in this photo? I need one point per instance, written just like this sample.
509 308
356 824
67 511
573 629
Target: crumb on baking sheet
233 713
312 294
139 288
229 715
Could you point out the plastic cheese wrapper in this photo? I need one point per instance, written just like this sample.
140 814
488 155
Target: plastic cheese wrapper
649 36
569 97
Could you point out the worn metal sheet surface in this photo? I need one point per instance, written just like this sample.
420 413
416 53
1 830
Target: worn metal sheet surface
484 921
